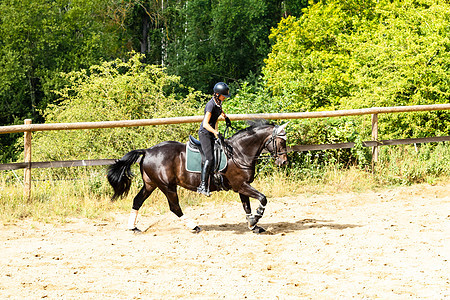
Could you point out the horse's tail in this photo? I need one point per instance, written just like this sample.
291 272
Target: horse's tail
119 174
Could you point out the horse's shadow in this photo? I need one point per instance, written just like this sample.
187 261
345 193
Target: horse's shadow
280 227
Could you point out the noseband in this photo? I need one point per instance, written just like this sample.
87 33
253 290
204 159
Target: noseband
272 154
273 140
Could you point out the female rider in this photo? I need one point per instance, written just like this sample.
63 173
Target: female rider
208 131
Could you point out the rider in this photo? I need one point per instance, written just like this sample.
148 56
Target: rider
208 131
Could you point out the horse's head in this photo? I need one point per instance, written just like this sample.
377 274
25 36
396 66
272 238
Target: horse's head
249 142
276 145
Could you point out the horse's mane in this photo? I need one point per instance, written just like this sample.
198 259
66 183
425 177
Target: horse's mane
253 125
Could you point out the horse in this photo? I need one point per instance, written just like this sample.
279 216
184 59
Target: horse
163 166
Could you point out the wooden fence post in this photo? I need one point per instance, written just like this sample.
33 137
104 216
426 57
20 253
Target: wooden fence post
27 153
374 138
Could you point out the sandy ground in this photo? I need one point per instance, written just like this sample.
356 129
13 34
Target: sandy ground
392 244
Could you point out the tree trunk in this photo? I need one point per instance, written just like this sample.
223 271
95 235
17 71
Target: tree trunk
145 47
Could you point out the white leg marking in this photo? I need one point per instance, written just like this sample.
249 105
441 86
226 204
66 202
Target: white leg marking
188 222
132 219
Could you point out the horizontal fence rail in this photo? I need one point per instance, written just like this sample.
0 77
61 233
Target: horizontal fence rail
234 117
301 148
296 148
58 164
28 128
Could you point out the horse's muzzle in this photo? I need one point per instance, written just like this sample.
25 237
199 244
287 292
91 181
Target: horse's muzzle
281 160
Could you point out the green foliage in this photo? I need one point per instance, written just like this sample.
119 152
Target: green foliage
39 39
253 97
213 41
249 96
348 54
50 37
331 55
414 164
330 131
114 90
201 41
144 24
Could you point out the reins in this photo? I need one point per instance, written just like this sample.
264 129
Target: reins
228 127
228 149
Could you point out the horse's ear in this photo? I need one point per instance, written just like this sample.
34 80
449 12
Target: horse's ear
281 128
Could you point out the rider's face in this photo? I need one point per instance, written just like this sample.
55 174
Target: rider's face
222 97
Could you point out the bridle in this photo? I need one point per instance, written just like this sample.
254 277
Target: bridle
273 140
228 149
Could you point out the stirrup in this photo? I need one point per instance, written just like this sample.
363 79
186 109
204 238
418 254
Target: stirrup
202 190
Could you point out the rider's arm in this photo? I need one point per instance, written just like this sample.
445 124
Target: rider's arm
207 126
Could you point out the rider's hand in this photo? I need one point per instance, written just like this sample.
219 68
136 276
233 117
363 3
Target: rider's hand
220 137
228 121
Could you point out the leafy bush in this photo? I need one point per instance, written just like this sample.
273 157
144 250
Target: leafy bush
414 164
346 54
114 90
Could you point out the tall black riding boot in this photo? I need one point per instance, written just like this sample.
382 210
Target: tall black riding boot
204 185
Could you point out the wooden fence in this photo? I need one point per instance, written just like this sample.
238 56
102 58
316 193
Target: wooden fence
28 128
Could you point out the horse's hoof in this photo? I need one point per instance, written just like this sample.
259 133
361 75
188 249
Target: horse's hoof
206 193
258 229
196 229
135 230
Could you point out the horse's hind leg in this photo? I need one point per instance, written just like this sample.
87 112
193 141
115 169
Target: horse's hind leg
174 205
138 200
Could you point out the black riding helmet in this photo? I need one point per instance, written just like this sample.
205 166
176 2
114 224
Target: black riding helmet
222 88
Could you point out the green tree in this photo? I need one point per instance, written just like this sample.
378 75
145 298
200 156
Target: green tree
114 90
223 40
354 54
145 25
308 65
39 39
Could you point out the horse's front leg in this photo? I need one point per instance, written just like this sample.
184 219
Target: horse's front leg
245 193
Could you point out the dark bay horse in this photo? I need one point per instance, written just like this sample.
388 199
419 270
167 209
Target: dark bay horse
163 166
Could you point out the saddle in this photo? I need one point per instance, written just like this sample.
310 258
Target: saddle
195 156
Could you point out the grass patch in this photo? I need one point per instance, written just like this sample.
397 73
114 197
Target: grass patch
89 197
60 200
